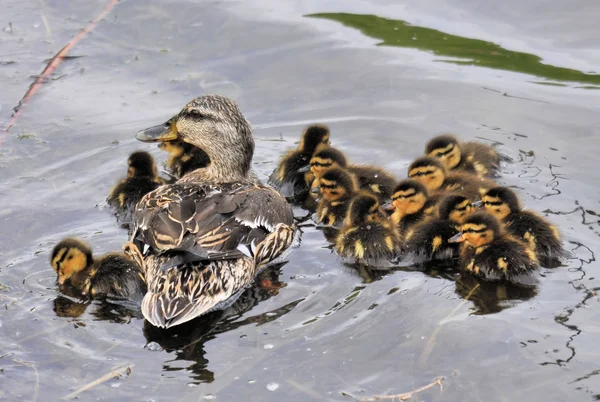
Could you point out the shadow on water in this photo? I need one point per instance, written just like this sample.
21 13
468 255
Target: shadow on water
473 52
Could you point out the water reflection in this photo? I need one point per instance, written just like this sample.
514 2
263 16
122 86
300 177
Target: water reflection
472 52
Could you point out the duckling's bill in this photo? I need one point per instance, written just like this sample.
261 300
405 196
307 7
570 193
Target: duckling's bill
163 132
457 238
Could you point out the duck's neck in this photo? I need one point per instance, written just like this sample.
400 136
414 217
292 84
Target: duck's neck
227 164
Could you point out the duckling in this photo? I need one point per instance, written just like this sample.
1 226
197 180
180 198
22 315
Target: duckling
430 240
410 204
431 172
112 275
367 235
337 187
370 178
472 157
141 179
541 236
290 175
183 157
487 251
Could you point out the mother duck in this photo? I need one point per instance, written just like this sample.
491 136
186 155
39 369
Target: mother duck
203 239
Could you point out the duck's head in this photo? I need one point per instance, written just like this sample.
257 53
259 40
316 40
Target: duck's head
364 209
325 159
455 208
478 229
313 137
336 183
409 197
141 164
69 257
500 201
216 125
428 171
446 148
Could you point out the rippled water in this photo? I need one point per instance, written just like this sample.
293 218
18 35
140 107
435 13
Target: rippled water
385 77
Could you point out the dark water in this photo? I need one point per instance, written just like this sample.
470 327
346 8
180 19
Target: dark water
469 67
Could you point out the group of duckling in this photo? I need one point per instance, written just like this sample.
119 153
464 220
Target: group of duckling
449 209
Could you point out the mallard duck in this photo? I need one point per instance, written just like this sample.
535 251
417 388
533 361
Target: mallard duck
367 235
429 241
337 187
487 251
431 172
473 157
183 157
541 236
112 275
290 176
370 178
203 239
141 179
410 204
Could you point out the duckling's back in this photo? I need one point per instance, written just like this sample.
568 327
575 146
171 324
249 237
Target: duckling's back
118 276
484 158
374 179
430 241
540 235
373 242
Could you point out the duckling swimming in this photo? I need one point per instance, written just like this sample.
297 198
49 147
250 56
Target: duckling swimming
367 235
487 251
431 172
471 157
206 237
337 187
290 175
141 179
541 236
429 241
112 275
411 205
183 157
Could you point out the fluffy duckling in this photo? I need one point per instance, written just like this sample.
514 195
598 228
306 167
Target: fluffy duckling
541 236
410 204
431 172
487 251
112 275
290 175
370 178
472 157
429 241
183 157
141 179
367 235
337 187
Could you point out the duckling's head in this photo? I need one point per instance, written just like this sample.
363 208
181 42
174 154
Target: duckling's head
364 209
428 171
313 137
327 158
500 201
478 229
446 148
455 208
69 257
336 183
216 125
141 164
409 196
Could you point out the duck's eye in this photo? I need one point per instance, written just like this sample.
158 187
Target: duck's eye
195 113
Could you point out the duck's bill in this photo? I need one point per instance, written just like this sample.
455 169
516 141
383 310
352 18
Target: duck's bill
477 204
160 133
457 238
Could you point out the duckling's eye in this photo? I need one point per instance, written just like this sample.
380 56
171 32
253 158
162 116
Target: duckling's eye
70 257
439 154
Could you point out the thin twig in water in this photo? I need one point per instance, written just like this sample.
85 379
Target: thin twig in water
36 390
117 373
401 397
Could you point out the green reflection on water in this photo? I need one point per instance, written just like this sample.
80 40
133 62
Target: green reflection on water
478 52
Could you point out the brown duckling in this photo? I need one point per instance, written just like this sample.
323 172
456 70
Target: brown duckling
367 235
141 179
487 251
370 178
541 236
431 172
472 157
112 275
410 204
429 241
183 157
289 176
337 187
